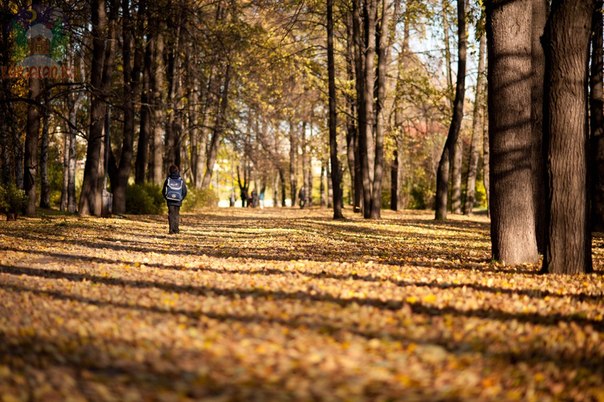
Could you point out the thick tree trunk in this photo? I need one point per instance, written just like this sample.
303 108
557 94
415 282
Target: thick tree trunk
509 70
131 77
442 178
539 17
90 197
336 177
597 119
566 44
476 129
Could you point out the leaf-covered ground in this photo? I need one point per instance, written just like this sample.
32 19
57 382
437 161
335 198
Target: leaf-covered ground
288 305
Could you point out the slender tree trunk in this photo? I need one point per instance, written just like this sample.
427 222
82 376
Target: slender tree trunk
174 123
394 182
448 67
293 152
157 87
32 132
442 179
476 129
218 129
44 180
456 159
566 44
513 235
383 52
336 177
369 19
72 205
539 17
142 159
597 119
456 168
351 124
486 157
361 143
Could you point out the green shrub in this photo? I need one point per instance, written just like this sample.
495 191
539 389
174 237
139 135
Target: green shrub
145 199
12 201
197 199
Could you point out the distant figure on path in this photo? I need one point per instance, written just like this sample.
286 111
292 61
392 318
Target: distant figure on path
261 198
232 199
174 191
302 196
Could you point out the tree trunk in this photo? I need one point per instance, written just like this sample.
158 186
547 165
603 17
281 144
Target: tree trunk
157 88
383 52
336 176
368 162
131 77
597 119
44 181
456 169
351 124
448 68
361 143
476 126
442 178
539 17
566 44
486 157
394 182
90 197
32 132
142 151
293 152
511 176
218 129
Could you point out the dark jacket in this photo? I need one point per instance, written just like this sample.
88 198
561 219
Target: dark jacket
184 190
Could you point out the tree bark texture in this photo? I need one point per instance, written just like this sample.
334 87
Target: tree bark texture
336 177
597 118
539 17
568 245
513 235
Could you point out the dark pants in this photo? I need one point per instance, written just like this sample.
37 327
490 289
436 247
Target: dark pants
173 218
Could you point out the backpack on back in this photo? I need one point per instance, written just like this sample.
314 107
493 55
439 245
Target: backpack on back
174 189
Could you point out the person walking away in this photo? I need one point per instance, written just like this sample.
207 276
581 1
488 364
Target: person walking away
174 191
302 197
